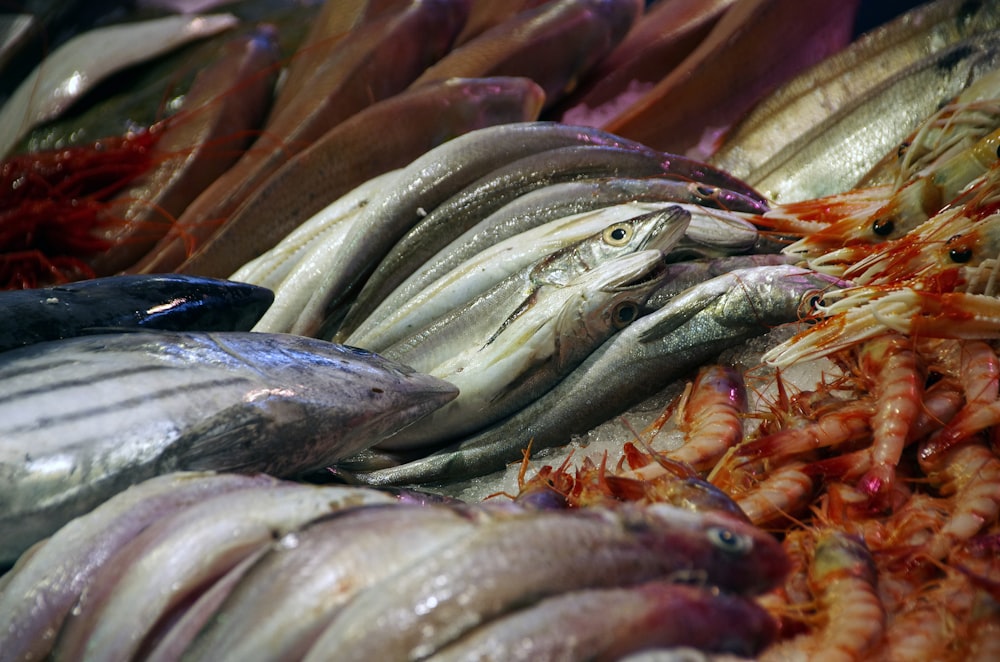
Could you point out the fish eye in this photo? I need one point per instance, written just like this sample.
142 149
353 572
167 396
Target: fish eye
729 541
624 314
704 191
959 253
883 227
618 234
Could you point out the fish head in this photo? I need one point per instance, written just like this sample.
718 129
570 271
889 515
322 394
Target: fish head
606 299
659 229
714 233
774 295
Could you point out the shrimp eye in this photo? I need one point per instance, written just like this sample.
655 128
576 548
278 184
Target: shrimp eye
903 147
729 541
624 314
618 234
958 252
883 227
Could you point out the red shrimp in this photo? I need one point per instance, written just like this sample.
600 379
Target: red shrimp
847 423
783 492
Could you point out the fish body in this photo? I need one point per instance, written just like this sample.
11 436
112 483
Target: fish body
84 418
548 335
632 365
166 302
520 559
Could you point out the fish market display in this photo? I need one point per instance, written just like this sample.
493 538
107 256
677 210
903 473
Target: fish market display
84 418
545 390
167 302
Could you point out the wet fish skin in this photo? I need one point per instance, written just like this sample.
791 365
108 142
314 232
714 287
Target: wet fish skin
58 81
608 624
853 140
476 201
292 593
166 302
521 559
41 590
543 340
817 93
84 418
171 561
632 365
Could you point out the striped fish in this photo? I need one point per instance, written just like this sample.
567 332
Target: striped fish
83 418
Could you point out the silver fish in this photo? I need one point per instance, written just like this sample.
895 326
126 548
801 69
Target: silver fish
474 324
547 336
85 60
42 588
84 418
634 364
414 614
836 154
173 559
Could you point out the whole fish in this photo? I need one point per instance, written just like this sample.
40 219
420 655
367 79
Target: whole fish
374 62
84 418
409 308
42 588
300 585
554 44
549 333
167 302
228 100
476 323
634 364
362 147
817 93
608 624
59 80
412 615
171 561
491 192
834 155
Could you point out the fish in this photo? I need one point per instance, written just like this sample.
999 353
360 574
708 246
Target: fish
476 323
59 80
183 552
732 69
409 309
632 365
84 418
298 587
366 145
467 207
810 98
614 623
372 63
549 334
836 154
44 585
228 100
545 553
167 302
554 44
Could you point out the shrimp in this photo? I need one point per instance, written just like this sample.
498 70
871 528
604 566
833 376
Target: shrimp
781 493
712 412
847 423
972 474
928 623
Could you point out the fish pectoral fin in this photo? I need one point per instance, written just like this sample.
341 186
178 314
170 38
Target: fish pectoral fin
240 438
673 315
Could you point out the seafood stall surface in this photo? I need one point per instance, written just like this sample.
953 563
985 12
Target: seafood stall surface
444 374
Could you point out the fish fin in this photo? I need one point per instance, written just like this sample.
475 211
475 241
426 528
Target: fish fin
674 314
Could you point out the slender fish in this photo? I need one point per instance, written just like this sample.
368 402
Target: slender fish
84 418
634 364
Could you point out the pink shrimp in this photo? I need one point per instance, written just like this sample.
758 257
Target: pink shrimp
783 492
972 474
847 423
928 622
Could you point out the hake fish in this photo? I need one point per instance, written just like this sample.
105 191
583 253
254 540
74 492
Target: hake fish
546 336
632 365
84 418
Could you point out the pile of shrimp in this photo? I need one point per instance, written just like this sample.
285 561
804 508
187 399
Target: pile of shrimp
883 478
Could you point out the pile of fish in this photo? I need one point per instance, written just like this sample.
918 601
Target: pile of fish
209 566
432 266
